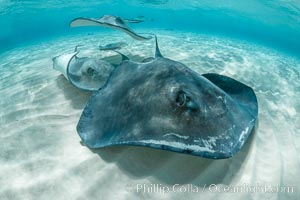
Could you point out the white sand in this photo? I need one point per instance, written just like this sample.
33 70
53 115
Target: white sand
41 156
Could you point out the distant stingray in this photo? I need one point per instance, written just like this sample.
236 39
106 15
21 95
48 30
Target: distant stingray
110 22
112 46
163 104
84 73
153 2
137 19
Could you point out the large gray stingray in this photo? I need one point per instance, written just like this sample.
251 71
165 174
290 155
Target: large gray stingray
110 22
164 104
84 73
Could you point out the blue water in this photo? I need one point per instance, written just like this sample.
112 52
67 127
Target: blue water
272 23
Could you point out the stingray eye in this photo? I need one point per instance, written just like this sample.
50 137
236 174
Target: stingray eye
185 101
181 98
90 71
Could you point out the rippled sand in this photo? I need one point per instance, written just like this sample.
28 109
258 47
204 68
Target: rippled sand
41 156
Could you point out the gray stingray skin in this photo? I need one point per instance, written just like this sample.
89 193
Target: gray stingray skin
164 104
88 73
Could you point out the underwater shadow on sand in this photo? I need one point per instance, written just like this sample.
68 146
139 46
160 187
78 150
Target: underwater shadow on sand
77 97
174 168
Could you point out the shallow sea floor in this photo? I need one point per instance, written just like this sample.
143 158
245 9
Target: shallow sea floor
41 156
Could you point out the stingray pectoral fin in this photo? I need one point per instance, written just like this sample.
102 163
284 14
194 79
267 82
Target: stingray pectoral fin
245 99
109 22
84 22
240 92
61 62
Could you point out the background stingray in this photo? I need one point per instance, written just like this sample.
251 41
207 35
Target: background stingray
153 2
84 73
138 19
163 104
110 22
112 46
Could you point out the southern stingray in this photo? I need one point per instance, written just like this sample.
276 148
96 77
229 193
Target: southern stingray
112 46
163 104
138 19
109 21
83 72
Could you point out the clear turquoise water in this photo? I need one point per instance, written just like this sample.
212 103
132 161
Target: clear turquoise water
273 23
255 42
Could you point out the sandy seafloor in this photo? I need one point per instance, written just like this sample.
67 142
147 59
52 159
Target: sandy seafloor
41 156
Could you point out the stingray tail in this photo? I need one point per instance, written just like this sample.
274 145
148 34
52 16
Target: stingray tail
157 51
76 48
123 56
